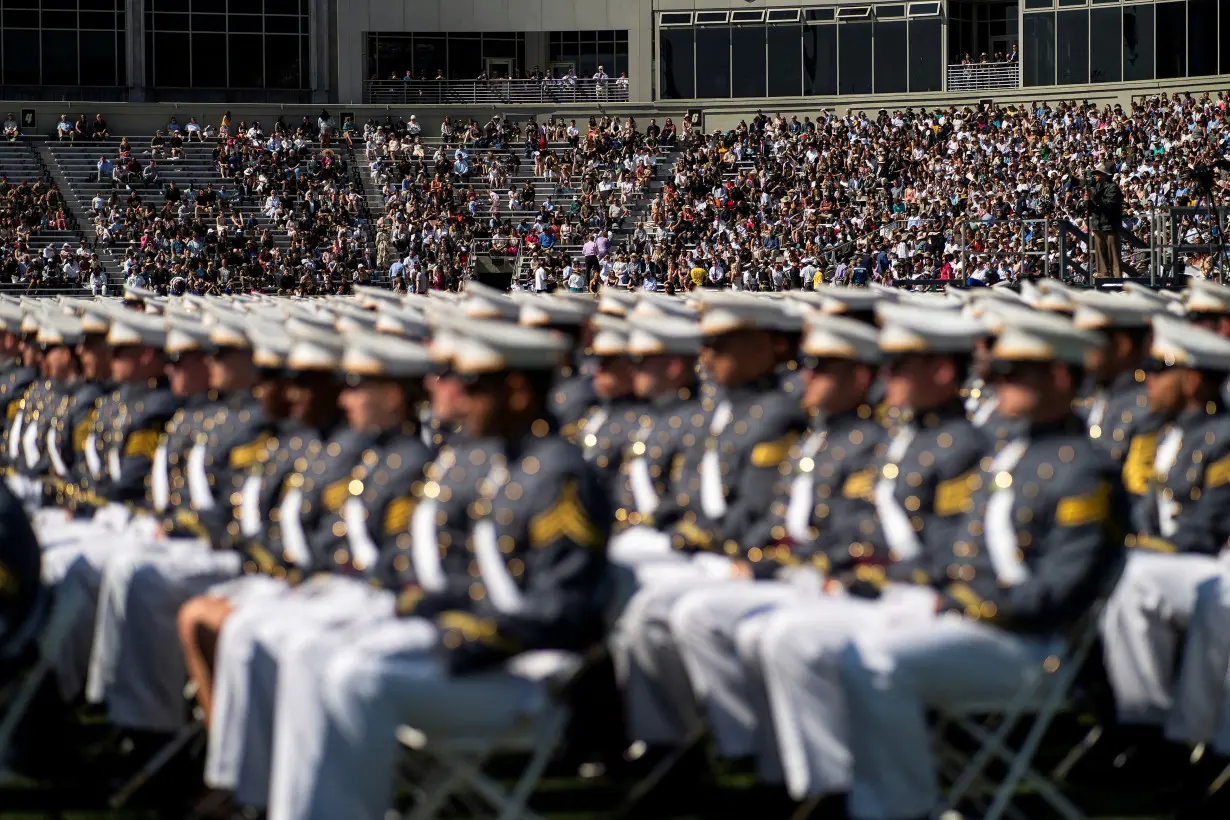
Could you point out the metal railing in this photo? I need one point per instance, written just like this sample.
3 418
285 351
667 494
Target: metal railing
447 92
984 76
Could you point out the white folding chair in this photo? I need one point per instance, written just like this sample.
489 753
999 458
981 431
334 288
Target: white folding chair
453 770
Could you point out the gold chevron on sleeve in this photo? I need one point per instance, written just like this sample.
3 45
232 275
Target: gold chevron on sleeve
565 518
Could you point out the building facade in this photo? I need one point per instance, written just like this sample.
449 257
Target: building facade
355 51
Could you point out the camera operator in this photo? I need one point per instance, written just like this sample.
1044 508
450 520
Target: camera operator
1104 202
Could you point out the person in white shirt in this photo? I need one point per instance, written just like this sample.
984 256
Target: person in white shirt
11 129
98 282
135 280
540 279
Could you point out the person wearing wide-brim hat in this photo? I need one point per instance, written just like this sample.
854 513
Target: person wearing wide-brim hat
1104 204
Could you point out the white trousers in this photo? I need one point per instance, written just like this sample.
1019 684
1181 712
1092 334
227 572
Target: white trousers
252 597
323 604
801 647
1199 713
717 631
891 677
137 667
1141 626
341 699
657 695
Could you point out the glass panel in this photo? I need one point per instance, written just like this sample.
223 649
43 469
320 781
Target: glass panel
59 19
926 59
676 18
890 47
209 22
786 66
1105 49
98 65
16 18
282 7
1038 49
1072 50
465 57
98 5
60 57
430 55
245 61
98 20
60 4
284 24
675 59
21 57
1138 42
248 23
170 67
1170 38
1201 37
713 62
170 22
819 60
282 62
1223 28
174 5
819 15
209 60
890 11
854 58
783 15
747 54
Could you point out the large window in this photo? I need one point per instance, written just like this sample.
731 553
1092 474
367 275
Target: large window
1107 43
586 50
227 44
746 53
62 43
465 55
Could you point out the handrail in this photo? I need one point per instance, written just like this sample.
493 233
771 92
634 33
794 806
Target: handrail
470 92
983 76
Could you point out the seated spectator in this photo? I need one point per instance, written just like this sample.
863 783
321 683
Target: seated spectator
105 169
150 175
98 129
64 129
11 129
81 128
173 126
157 145
192 130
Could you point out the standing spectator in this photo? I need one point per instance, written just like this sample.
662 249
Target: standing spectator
1105 203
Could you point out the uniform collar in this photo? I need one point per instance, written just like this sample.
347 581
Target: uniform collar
1127 380
683 394
765 383
1211 408
841 421
935 416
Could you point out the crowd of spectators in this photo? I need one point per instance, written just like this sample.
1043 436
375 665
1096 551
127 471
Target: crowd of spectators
907 198
28 265
285 183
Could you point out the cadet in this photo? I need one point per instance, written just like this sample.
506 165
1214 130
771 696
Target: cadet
131 668
1117 413
903 510
574 391
534 570
253 513
794 546
16 374
1180 529
611 423
365 511
39 391
663 350
728 465
1029 557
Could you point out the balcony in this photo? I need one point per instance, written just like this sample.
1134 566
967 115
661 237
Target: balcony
485 92
984 76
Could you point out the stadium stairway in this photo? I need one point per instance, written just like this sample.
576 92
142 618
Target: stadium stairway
21 162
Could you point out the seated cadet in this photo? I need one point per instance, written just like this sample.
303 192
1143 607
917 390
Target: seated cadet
882 554
1117 413
31 402
1180 531
364 510
663 351
608 428
119 450
250 518
136 668
469 606
1034 547
728 465
788 545
58 337
574 394
68 429
15 374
